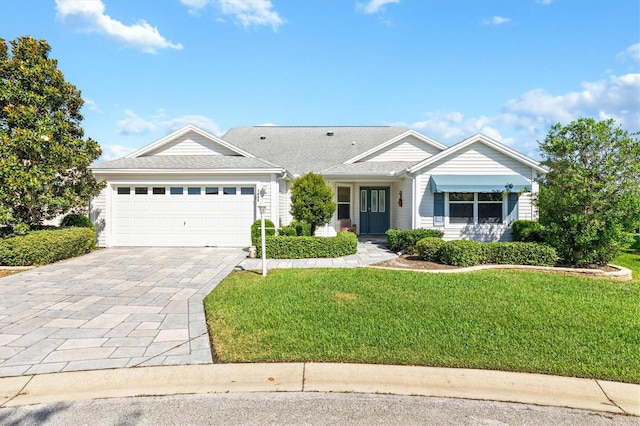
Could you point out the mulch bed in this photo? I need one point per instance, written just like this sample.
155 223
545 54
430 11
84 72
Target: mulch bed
412 261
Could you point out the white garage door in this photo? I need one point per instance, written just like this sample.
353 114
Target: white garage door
213 215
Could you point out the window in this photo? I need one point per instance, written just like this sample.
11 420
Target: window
490 207
470 208
142 190
192 190
460 207
229 190
124 191
247 190
158 191
374 201
344 202
382 204
211 190
363 200
175 190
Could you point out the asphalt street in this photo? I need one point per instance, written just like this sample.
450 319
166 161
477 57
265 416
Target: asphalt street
294 408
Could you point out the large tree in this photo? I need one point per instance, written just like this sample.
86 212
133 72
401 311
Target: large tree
44 156
591 196
312 200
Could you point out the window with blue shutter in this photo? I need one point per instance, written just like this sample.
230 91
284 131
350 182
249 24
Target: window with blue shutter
438 208
512 207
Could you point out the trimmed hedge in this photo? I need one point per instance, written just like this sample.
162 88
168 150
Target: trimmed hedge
269 229
463 253
521 253
301 229
527 231
75 219
43 247
470 253
429 248
406 239
290 247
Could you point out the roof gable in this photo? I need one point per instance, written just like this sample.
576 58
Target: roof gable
189 140
409 146
465 146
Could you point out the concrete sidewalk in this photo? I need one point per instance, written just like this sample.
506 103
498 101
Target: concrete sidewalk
537 389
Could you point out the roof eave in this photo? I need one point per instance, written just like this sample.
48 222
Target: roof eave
187 171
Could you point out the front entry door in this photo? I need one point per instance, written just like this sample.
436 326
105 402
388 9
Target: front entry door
374 209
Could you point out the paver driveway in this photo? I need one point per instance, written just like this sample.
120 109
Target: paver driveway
117 307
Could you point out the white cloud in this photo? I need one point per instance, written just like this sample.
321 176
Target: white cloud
374 6
247 13
632 52
134 124
496 20
526 119
112 152
91 105
91 15
199 121
544 2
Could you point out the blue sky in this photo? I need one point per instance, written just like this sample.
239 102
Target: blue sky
447 68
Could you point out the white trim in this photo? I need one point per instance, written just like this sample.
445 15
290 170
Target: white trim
186 171
486 141
398 138
181 132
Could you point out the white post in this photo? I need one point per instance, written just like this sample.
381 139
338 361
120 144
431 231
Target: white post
262 240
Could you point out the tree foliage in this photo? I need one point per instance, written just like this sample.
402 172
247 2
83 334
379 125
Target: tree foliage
591 196
43 153
312 200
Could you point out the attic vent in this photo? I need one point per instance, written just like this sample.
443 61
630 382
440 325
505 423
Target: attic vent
262 137
330 133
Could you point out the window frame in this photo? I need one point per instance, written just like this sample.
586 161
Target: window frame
347 203
475 203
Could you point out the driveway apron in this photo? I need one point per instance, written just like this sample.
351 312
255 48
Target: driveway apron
113 308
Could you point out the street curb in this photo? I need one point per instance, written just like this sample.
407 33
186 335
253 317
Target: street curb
536 389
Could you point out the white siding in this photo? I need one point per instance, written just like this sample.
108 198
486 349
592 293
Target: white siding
98 216
192 144
475 159
478 158
403 214
407 149
284 202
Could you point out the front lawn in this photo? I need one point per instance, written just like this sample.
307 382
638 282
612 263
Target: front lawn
502 320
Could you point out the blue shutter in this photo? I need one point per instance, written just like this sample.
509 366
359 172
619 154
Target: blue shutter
438 208
512 207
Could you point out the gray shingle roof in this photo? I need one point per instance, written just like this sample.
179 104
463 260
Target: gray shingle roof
196 162
370 168
304 149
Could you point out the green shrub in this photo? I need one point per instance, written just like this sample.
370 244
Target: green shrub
21 229
462 253
406 239
303 229
290 247
43 247
521 253
527 231
269 229
429 248
288 231
77 220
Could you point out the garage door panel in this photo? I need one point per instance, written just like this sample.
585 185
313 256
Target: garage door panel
183 220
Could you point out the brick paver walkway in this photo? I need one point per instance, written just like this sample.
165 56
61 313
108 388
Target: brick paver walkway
124 307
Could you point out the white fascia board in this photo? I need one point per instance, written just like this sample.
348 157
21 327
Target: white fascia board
384 145
182 131
485 140
186 171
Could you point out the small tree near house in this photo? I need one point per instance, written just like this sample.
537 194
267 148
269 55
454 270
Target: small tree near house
44 156
590 198
312 200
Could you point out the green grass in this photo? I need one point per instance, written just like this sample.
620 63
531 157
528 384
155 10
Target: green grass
629 258
501 320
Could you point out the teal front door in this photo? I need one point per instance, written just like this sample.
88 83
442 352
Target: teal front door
374 209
